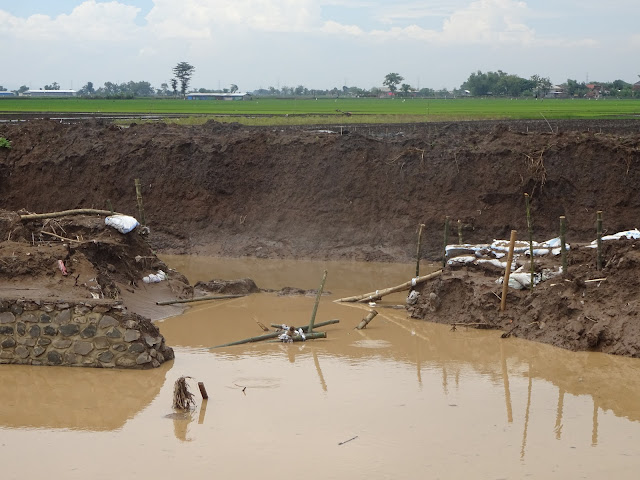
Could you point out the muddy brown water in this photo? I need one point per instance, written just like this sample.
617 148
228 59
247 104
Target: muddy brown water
402 399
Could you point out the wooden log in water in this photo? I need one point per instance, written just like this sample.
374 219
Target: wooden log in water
378 294
365 321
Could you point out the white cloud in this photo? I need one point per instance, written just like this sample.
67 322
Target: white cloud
204 17
89 21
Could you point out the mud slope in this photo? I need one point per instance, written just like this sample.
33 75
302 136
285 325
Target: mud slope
271 192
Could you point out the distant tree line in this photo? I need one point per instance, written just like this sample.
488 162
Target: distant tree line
497 84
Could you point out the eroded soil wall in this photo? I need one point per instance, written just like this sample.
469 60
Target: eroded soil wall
302 192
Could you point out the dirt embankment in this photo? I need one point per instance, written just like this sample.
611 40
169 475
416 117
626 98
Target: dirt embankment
270 192
309 193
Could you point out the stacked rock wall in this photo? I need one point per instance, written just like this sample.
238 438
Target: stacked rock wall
78 334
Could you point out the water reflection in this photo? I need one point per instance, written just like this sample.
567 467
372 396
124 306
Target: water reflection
447 403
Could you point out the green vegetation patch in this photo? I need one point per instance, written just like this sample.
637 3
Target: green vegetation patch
339 110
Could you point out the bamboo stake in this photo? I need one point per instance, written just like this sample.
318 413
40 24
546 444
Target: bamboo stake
459 232
378 294
306 327
315 305
139 201
63 213
199 299
446 241
203 391
418 251
365 321
530 229
507 272
599 233
563 242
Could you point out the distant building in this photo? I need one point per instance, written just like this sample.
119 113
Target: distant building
50 93
218 96
7 94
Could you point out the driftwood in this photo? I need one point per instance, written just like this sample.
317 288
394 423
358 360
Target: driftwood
199 299
306 327
378 294
64 213
365 321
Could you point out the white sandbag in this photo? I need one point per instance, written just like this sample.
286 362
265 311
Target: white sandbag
155 277
122 223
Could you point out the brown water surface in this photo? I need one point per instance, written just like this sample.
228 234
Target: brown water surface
403 399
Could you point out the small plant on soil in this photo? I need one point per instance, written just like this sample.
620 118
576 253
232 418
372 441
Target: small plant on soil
4 143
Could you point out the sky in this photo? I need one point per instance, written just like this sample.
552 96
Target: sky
319 44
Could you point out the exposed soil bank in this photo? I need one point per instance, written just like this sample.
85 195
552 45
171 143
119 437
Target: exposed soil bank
230 190
309 193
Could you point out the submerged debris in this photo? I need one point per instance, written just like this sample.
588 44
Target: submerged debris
182 397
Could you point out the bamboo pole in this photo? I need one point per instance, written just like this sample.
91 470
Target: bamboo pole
315 305
378 294
63 213
459 232
530 229
308 336
446 241
599 237
507 272
365 321
306 327
563 243
203 391
139 201
418 250
266 336
199 299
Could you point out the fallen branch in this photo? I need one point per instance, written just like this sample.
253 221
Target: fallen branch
60 237
378 294
81 211
249 340
199 299
595 280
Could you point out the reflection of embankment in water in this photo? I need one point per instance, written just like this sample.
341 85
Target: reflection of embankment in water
75 398
613 382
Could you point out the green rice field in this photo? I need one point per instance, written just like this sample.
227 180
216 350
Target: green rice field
362 110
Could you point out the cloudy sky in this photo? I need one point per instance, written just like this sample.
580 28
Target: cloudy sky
315 43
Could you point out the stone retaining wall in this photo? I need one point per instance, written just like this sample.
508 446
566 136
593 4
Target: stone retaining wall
82 334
